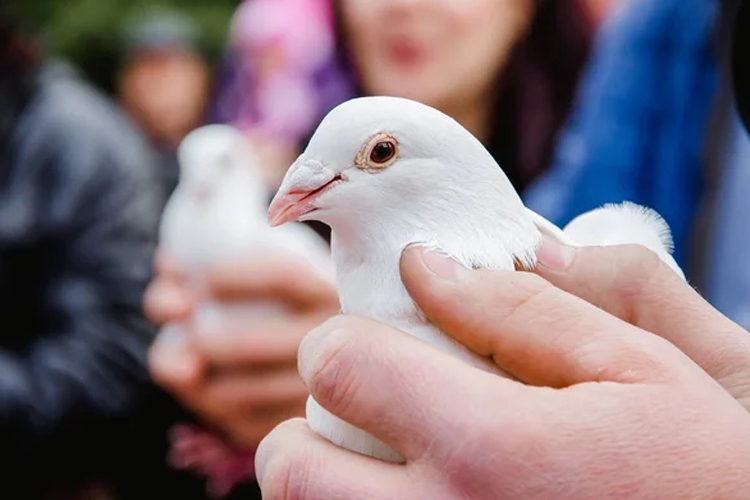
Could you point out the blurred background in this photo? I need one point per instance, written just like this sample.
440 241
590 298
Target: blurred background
91 33
581 102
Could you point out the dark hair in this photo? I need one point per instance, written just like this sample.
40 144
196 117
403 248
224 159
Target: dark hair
535 89
19 51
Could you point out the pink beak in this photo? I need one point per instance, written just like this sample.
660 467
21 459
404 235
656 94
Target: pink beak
303 184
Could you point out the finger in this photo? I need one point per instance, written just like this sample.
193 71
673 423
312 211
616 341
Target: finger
258 422
165 301
632 283
225 406
279 276
384 381
166 266
174 363
199 456
196 441
294 462
255 390
539 333
183 431
266 342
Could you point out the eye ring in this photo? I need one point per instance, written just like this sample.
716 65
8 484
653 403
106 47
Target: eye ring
378 153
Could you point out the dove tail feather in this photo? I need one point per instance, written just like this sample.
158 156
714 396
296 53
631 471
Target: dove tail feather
621 224
644 220
624 224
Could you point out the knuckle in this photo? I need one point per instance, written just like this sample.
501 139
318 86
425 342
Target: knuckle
630 360
506 299
638 273
164 301
151 302
528 294
333 379
636 268
527 443
510 303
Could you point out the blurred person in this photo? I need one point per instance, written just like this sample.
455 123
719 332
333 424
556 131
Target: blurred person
280 73
506 70
163 83
513 96
79 209
656 124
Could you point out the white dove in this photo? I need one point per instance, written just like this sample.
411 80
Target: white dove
387 172
218 212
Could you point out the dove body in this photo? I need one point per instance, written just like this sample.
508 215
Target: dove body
385 173
444 191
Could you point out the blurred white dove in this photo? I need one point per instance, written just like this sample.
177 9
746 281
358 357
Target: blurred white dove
388 172
218 212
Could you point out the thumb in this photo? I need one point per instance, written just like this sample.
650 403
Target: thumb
634 284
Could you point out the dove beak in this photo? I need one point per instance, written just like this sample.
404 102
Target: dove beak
303 184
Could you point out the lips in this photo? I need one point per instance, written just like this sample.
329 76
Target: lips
406 54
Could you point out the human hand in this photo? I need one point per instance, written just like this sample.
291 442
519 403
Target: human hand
242 380
633 284
604 409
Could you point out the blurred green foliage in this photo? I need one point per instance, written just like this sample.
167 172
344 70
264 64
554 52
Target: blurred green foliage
90 32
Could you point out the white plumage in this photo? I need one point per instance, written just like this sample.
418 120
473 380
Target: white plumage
218 212
624 224
440 188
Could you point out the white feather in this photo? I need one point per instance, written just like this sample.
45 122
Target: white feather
624 224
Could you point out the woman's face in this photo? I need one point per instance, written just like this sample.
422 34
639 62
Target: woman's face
444 53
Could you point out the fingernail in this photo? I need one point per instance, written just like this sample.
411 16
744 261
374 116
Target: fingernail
444 266
555 255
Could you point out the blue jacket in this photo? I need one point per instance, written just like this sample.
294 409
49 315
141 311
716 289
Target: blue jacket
638 129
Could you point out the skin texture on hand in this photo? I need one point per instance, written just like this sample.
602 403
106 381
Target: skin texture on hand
242 381
636 392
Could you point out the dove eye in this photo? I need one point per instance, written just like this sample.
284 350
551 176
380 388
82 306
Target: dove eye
382 152
378 153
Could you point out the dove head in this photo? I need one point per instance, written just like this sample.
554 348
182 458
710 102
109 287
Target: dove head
373 159
214 157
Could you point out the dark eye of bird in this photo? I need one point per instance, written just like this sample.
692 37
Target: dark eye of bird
382 152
